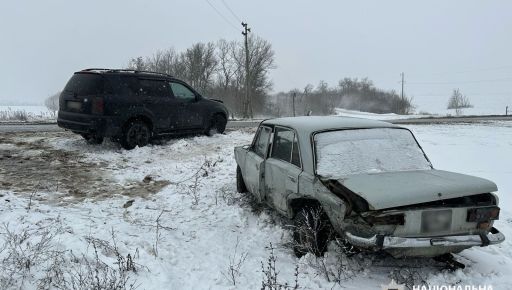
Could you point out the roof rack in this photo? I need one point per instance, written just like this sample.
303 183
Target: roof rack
126 70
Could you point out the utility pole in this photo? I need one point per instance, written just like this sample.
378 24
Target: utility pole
402 93
248 105
400 109
293 102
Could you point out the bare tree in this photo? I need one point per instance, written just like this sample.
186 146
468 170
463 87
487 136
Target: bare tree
458 102
52 103
137 63
199 64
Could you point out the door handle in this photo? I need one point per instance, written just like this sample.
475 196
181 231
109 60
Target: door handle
292 179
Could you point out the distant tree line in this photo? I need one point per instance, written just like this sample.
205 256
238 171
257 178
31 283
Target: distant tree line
217 70
350 93
52 103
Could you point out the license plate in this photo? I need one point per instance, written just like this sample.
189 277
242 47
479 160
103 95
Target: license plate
436 221
74 105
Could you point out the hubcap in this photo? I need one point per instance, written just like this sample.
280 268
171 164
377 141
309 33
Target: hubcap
138 135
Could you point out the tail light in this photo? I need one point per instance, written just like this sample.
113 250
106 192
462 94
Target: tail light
97 106
483 214
394 219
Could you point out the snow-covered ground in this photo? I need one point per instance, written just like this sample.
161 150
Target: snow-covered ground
375 116
482 105
26 113
186 235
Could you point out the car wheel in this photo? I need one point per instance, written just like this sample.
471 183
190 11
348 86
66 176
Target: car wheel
240 184
93 139
217 125
311 232
135 133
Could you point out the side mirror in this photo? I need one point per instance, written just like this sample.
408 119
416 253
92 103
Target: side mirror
247 147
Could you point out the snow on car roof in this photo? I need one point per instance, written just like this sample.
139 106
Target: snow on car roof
311 124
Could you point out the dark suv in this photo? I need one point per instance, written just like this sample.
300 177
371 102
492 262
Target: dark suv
132 106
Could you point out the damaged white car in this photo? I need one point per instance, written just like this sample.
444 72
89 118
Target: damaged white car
370 182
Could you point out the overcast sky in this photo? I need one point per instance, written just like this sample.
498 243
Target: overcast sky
439 45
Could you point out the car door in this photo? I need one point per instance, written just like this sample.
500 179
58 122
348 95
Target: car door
191 110
254 169
282 168
157 99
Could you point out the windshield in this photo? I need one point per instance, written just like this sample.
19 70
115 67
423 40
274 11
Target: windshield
347 152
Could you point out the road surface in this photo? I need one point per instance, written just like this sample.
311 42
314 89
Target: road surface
52 127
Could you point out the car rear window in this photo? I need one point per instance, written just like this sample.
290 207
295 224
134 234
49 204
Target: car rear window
85 84
347 152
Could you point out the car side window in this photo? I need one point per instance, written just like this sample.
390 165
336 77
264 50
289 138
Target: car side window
181 92
153 88
261 142
295 152
283 144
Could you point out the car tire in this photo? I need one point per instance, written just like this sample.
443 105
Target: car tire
240 184
217 125
135 133
311 232
93 139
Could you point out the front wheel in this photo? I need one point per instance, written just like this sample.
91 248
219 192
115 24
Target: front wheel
217 125
135 133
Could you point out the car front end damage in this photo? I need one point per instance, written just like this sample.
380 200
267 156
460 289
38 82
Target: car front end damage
426 229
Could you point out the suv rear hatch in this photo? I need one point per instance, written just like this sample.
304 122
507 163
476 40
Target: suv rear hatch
84 93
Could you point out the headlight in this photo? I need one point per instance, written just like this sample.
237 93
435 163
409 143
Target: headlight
436 221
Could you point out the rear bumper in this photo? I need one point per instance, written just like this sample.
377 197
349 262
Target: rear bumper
89 124
409 245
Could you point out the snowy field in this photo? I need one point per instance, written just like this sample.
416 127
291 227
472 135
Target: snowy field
437 108
482 105
374 116
25 113
174 208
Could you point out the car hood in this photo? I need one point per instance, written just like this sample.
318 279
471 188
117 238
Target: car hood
394 189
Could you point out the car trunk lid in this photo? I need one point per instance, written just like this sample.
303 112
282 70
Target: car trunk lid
394 189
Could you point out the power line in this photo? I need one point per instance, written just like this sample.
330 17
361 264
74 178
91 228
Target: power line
221 15
471 70
230 10
468 94
460 82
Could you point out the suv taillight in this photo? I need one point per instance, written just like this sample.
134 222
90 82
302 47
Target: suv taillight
97 106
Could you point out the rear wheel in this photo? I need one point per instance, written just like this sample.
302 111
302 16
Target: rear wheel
92 139
240 184
217 125
312 231
135 133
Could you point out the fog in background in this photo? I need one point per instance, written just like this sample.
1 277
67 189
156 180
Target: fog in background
439 45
